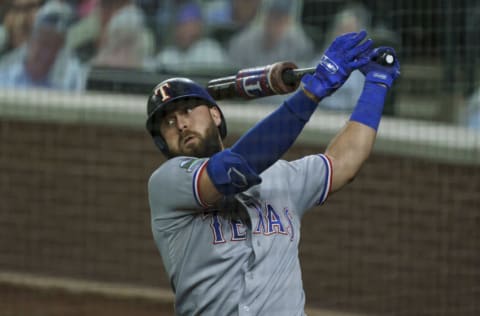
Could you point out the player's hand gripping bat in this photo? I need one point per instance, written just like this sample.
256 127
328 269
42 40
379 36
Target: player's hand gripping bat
278 78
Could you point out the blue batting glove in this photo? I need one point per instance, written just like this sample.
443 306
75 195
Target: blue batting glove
343 56
377 70
380 73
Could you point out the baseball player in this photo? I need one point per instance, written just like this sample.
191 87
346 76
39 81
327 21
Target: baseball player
227 220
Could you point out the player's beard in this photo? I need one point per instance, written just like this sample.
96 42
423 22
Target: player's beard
206 146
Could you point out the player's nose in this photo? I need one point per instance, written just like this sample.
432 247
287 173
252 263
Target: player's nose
182 122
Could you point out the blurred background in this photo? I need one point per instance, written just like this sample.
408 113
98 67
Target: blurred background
75 238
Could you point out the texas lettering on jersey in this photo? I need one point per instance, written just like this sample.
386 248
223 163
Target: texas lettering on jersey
267 221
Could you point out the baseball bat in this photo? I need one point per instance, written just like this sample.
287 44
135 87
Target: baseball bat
278 78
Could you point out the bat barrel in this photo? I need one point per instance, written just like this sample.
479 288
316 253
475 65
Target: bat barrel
222 90
223 80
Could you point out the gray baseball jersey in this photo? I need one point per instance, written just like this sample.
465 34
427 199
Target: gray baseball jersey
240 258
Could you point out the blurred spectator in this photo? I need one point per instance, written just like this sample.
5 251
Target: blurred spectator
352 18
277 37
233 14
166 10
42 61
225 18
17 22
471 59
160 16
3 31
83 34
3 39
126 41
82 8
191 50
470 117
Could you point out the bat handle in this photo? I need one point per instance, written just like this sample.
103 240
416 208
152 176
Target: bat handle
293 76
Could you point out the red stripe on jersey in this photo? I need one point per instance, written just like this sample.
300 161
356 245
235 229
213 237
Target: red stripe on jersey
197 193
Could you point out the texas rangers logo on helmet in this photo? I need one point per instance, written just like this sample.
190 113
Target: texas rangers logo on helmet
163 91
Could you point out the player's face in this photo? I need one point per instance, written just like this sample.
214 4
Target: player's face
44 47
192 130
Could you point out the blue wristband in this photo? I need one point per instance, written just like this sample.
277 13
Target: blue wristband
301 106
369 107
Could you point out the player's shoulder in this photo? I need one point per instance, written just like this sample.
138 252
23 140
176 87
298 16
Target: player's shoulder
174 166
313 158
294 164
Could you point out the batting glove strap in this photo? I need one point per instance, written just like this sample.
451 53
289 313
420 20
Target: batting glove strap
381 74
322 85
379 78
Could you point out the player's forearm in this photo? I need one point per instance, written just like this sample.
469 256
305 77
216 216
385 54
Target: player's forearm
348 150
353 144
238 168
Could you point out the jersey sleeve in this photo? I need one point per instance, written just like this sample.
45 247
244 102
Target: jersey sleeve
315 177
305 182
173 188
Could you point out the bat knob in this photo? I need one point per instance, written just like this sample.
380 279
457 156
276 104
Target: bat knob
389 59
385 58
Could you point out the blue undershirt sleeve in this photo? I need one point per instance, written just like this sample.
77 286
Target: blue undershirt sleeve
269 139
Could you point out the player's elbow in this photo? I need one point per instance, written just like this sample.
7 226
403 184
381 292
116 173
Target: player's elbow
231 173
344 172
341 180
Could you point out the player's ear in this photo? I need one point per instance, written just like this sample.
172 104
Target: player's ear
215 113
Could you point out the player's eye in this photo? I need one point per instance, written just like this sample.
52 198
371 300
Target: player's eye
170 121
188 109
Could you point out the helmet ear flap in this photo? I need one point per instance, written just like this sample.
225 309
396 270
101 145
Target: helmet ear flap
161 144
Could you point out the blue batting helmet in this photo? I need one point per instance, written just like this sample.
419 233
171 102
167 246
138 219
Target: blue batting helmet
169 91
